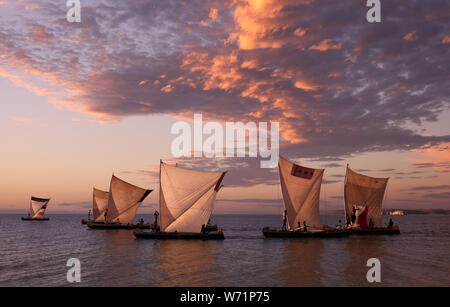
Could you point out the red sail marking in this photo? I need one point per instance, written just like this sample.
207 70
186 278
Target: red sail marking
302 172
362 218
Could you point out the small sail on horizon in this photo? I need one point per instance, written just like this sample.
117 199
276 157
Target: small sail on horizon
187 197
124 200
99 204
364 191
301 193
38 206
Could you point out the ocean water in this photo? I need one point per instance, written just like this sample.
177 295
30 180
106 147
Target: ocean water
36 253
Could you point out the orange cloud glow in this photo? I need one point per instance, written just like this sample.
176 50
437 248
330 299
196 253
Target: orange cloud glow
326 45
411 36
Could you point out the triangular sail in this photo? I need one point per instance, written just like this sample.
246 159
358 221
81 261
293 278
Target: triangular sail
364 191
187 197
38 206
124 200
301 193
99 204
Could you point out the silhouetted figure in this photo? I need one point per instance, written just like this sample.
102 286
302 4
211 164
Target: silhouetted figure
89 214
371 224
391 223
353 215
299 227
155 220
106 214
209 222
339 225
284 220
141 221
305 229
347 221
203 228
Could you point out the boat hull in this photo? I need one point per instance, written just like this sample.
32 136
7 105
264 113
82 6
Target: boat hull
374 231
160 235
211 228
35 219
102 225
273 233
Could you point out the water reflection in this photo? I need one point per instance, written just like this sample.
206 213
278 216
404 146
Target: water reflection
186 263
358 250
117 254
301 262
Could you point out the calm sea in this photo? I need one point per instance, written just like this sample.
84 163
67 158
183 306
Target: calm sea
36 253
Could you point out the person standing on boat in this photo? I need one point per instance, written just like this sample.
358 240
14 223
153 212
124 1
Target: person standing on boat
299 227
354 214
391 223
305 229
209 222
371 224
89 214
106 214
155 220
284 220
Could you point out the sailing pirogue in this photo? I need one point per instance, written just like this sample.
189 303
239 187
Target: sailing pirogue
186 201
301 193
99 205
124 200
37 209
363 197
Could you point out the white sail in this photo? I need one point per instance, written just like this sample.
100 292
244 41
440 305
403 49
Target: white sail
301 193
187 197
38 206
124 200
99 204
364 191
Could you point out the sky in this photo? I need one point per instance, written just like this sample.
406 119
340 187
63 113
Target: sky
81 101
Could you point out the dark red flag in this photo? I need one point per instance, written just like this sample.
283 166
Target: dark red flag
302 172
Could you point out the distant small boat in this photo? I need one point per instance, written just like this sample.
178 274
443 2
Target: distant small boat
186 200
363 201
301 193
124 200
37 209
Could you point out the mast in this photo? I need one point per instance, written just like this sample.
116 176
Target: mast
345 206
160 191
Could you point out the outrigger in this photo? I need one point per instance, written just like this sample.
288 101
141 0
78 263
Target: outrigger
37 209
186 200
363 197
301 193
124 200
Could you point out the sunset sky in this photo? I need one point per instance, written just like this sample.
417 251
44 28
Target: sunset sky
80 101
